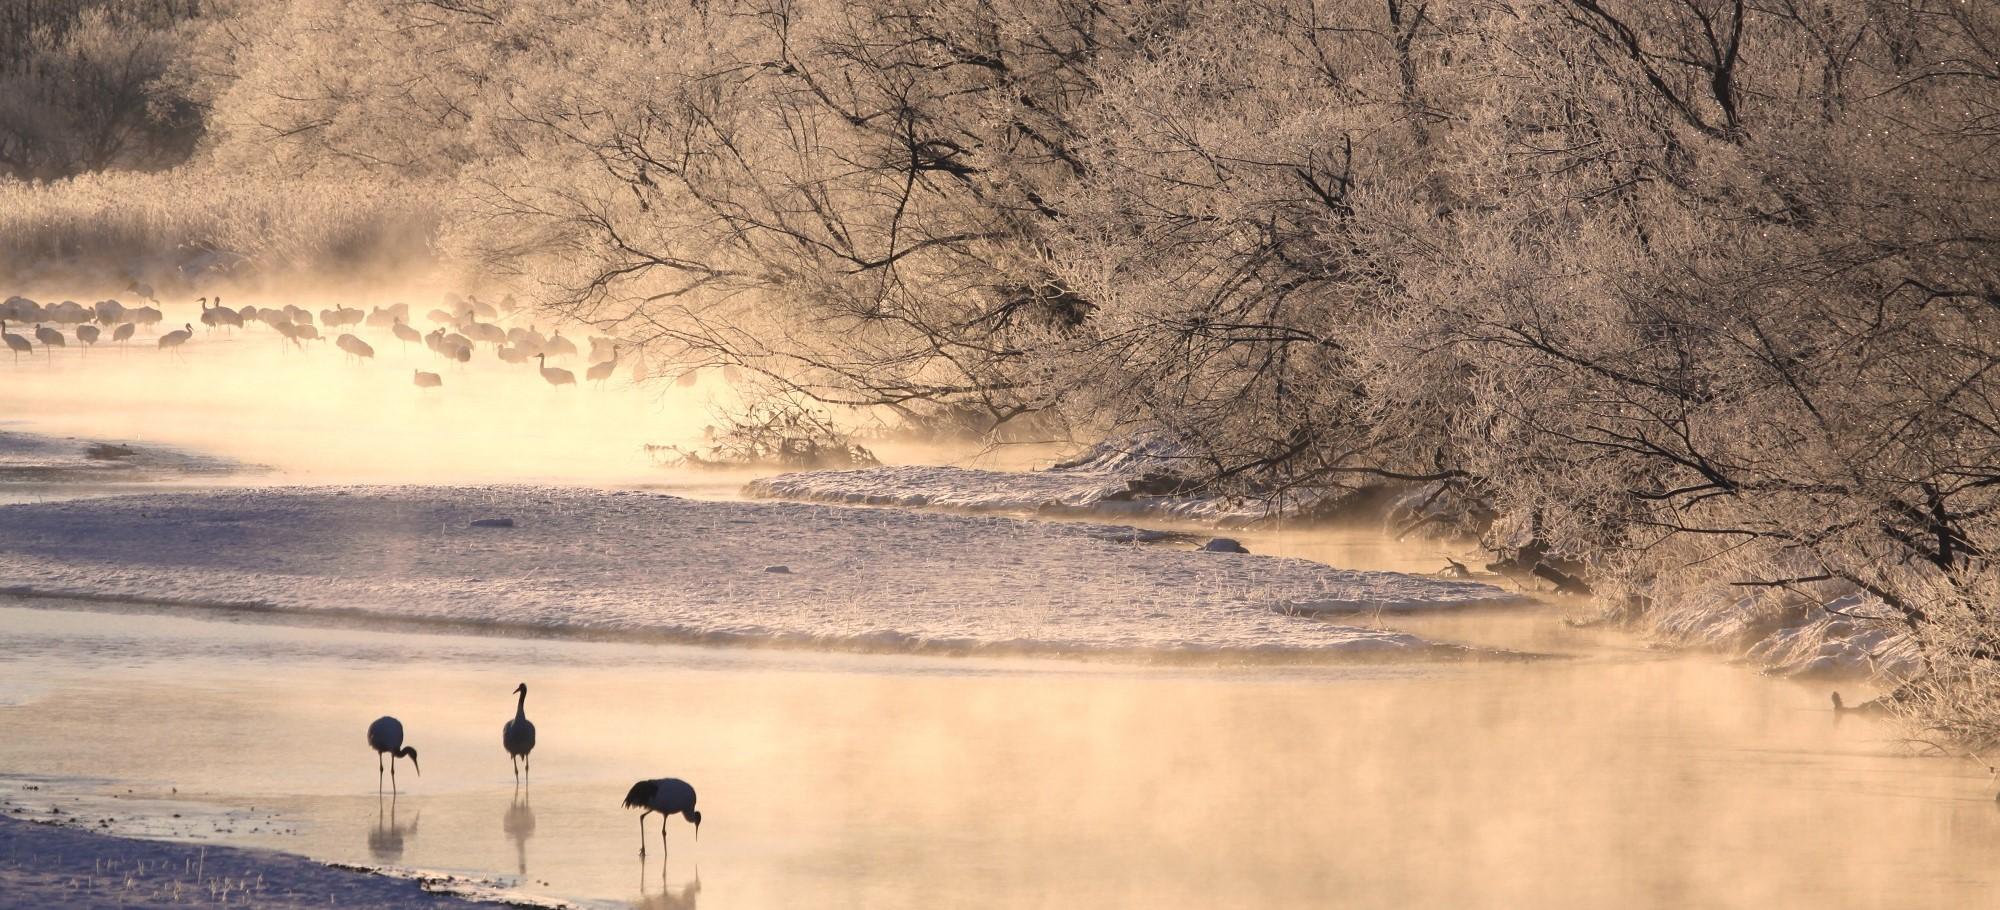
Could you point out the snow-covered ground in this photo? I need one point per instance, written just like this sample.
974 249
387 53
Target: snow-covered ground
1787 639
657 566
1130 477
1127 478
1850 635
1047 492
1071 489
46 865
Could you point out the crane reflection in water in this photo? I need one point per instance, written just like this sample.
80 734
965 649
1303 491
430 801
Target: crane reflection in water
388 838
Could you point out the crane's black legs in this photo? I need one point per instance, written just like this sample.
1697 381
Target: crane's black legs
378 772
642 831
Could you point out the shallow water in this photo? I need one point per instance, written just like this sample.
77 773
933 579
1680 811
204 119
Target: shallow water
1616 778
322 416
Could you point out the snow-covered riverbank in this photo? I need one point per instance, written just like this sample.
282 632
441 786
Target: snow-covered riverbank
1774 631
46 865
1049 492
661 567
1123 479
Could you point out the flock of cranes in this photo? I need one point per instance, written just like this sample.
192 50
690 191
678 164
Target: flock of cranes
669 796
458 331
89 322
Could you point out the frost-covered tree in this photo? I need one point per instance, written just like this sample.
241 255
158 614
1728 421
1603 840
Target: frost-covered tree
1694 294
849 198
90 85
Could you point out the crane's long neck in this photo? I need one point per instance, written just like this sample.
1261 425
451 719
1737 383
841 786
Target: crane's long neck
521 706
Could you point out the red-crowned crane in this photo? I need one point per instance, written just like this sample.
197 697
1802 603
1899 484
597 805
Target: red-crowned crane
404 333
15 343
69 312
219 316
385 736
554 375
519 734
354 347
668 796
227 317
177 337
599 372
340 316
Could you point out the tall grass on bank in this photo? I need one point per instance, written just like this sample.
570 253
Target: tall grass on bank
173 228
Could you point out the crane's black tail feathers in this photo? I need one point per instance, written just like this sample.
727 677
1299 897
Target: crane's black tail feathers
640 794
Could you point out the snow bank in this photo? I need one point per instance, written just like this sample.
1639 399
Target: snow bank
34 457
1127 478
43 865
1136 454
1787 635
657 566
1049 492
1111 479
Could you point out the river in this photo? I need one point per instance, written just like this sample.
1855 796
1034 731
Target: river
1603 773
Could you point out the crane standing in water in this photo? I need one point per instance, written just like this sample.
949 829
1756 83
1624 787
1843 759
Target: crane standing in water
668 796
16 343
385 736
519 734
554 375
171 341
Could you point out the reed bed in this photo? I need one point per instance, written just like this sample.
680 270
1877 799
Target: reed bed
173 227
